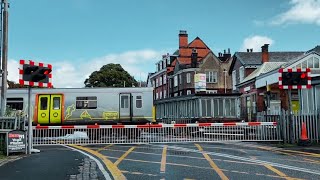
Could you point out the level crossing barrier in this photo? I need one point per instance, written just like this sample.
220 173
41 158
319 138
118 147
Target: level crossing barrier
155 133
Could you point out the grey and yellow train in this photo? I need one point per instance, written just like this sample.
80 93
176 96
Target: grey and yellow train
85 105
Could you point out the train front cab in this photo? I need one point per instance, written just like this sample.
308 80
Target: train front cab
49 109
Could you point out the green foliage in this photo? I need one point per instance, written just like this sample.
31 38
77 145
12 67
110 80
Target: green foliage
110 75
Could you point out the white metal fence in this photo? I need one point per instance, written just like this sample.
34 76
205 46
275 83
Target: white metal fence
161 133
290 124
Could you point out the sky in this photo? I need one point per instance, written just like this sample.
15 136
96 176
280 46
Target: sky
79 36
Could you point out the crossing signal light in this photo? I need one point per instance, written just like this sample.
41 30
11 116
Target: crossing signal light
36 73
294 78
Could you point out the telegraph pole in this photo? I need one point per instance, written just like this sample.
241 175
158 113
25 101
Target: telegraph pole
4 71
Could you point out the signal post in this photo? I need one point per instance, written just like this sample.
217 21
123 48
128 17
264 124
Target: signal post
293 79
34 74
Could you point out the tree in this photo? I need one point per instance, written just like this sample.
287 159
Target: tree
110 75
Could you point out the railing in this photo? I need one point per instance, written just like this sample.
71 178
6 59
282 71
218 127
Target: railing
160 133
8 124
290 124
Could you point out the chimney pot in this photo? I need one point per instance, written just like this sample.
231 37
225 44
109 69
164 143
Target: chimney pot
224 51
251 50
247 50
229 51
194 58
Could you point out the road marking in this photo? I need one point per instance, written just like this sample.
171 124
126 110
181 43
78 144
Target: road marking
311 171
139 173
190 157
213 165
189 166
116 173
311 161
104 148
124 156
277 172
302 153
163 159
282 151
104 172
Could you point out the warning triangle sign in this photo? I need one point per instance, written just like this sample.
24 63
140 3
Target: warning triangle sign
85 114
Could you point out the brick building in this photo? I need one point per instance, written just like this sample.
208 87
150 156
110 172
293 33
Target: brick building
247 67
175 72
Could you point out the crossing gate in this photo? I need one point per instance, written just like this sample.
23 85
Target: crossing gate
158 133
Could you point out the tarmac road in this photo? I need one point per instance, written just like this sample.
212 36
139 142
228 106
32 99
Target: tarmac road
232 160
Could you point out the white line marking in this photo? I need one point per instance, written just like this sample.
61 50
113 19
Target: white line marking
104 172
248 160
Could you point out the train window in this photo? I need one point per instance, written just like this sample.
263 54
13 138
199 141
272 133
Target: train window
124 101
15 103
43 103
89 102
139 101
56 103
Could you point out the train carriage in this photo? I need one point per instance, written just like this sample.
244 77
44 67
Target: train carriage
85 105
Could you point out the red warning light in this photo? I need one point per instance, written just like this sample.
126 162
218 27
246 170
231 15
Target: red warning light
303 75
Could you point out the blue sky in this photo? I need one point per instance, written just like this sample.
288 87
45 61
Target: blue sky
79 36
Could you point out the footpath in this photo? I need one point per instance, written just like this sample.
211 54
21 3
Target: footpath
52 163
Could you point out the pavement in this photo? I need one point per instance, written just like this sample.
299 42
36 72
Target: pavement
52 163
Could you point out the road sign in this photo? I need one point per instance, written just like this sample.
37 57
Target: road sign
35 74
294 78
16 141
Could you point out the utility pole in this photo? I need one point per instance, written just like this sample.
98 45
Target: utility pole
4 71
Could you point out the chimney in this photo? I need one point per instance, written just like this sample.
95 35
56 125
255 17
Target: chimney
248 50
265 53
251 50
194 58
183 39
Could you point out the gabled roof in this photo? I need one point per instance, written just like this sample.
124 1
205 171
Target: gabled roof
264 68
197 42
254 58
316 50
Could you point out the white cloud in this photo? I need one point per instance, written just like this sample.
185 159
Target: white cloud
72 74
301 11
255 43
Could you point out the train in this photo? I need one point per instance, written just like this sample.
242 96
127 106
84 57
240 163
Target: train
79 106
126 105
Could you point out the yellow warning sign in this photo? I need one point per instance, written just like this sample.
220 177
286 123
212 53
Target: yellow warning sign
85 114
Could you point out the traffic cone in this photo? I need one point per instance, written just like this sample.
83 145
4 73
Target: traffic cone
304 140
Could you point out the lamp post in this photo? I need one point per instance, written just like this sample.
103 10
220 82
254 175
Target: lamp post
4 49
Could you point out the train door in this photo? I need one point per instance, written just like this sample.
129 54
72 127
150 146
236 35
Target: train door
49 108
125 106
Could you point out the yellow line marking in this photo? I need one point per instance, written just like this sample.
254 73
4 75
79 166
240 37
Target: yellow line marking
281 174
116 173
124 156
311 161
302 153
104 148
282 151
164 159
213 165
190 166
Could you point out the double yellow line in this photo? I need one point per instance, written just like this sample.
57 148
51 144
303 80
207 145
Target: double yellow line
116 173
